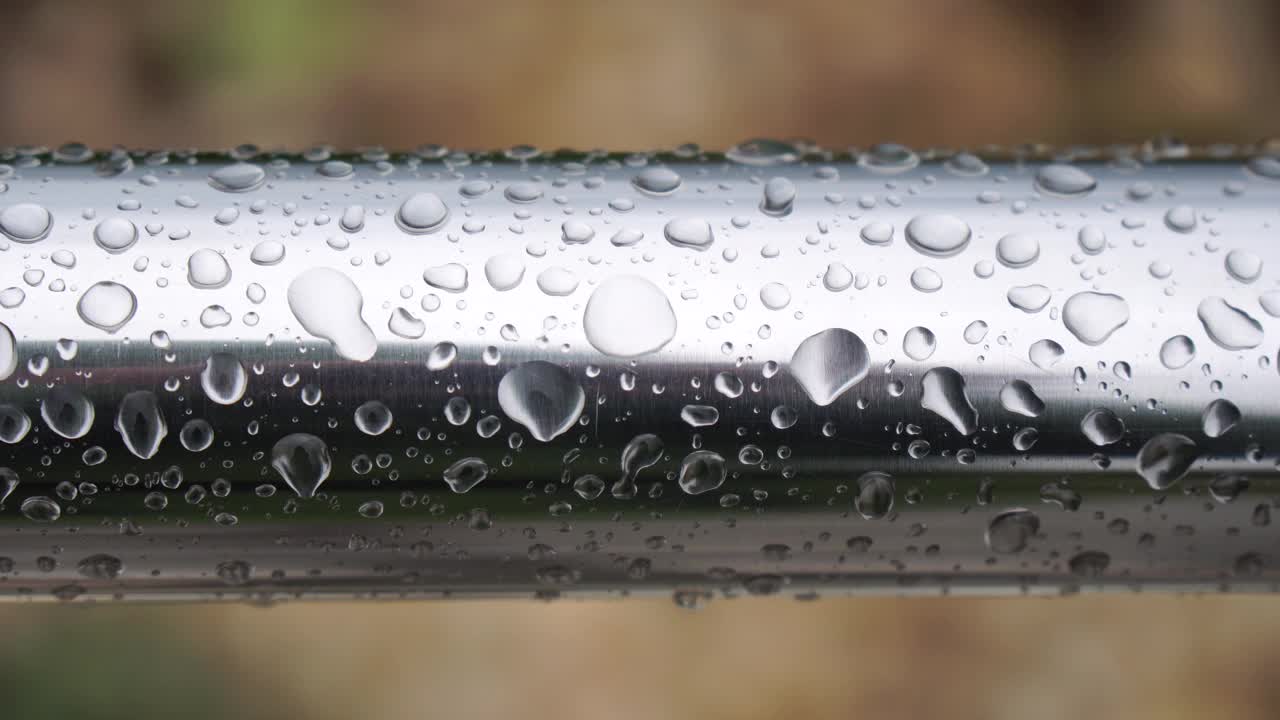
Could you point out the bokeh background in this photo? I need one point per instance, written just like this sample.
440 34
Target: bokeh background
641 75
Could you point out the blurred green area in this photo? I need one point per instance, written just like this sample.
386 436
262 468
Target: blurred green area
398 73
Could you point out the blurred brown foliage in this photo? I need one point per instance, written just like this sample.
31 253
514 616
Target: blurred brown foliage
150 73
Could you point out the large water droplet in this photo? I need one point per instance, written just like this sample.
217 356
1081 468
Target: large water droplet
775 296
14 424
25 222
938 235
1064 180
919 343
1102 427
196 435
224 378
1045 353
1229 326
829 363
67 412
107 306
762 151
302 460
889 158
422 213
1009 531
237 178
1165 458
373 417
628 316
875 495
504 271
208 270
115 235
541 396
943 393
141 424
465 474
8 352
1029 298
1017 396
657 181
441 356
267 252
406 325
1093 316
701 471
692 233
450 277
557 281
1243 265
1017 250
838 277
328 304
778 197
1219 417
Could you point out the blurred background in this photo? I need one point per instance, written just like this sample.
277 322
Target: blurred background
641 75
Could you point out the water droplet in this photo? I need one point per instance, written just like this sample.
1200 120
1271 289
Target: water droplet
888 158
1165 458
641 451
728 384
422 213
328 305
557 281
919 343
141 424
67 412
1181 218
701 471
26 222
1029 298
404 324
1229 326
1089 564
1102 427
576 232
875 495
877 233
1243 265
41 509
938 235
1017 396
504 271
8 483
1017 250
237 178
778 197
208 270
542 397
1009 531
657 181
975 332
762 152
699 415
267 252
115 235
224 378
828 363
926 280
1219 417
775 296
441 356
943 393
1045 353
302 460
352 219
373 418
457 411
465 474
966 165
522 192
837 278
1177 352
1064 180
1025 439
1092 316
14 425
1226 488
8 352
107 306
628 316
692 233
450 277
196 435
1092 239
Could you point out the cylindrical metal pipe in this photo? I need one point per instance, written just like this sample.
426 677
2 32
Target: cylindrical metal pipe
779 369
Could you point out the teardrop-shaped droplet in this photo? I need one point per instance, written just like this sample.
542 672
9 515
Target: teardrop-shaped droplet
224 378
542 397
1017 396
828 363
302 460
141 424
640 452
943 393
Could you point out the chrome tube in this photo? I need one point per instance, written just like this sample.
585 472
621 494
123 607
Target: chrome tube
779 369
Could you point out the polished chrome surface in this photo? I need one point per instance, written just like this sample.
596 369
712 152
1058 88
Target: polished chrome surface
1178 230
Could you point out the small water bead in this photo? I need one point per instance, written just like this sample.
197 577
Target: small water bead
543 397
926 280
691 233
224 378
699 415
196 435
1102 427
373 418
1064 180
1017 396
938 235
1011 530
877 233
302 461
628 316
115 235
1165 458
1229 326
422 213
829 363
237 178
943 393
1092 317
1017 250
465 474
1177 352
107 306
1243 265
141 424
267 252
657 181
557 281
450 277
1180 218
919 343
701 471
67 412
775 296
778 197
1219 417
26 222
875 495
504 271
1029 298
328 305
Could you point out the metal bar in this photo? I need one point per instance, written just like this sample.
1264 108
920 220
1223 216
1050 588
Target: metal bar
438 374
